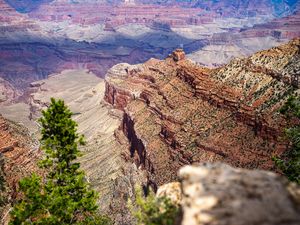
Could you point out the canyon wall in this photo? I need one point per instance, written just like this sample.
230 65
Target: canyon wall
19 154
177 113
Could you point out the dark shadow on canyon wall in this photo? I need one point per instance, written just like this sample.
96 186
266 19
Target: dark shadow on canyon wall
25 6
24 61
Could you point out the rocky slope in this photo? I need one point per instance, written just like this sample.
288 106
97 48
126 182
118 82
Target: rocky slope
106 170
7 92
163 114
177 113
217 194
18 154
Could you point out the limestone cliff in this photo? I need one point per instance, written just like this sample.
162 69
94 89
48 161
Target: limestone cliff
177 113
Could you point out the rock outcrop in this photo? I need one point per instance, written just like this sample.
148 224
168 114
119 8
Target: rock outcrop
177 113
217 194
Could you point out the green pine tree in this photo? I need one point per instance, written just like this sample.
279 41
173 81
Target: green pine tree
63 195
152 210
289 164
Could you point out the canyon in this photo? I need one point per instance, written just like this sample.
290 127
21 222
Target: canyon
153 85
178 113
145 121
38 39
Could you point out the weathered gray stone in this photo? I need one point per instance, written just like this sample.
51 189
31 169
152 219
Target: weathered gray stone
217 194
172 191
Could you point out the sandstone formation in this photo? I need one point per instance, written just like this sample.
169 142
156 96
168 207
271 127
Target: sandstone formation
172 191
217 194
177 113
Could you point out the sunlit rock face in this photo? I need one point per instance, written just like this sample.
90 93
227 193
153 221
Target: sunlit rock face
217 194
19 154
178 113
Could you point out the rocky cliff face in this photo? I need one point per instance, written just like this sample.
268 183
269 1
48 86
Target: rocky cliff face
19 154
177 113
217 194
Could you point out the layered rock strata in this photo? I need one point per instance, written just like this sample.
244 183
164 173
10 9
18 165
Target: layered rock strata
18 154
177 113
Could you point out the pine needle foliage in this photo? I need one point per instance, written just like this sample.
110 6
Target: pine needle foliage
289 164
152 210
63 196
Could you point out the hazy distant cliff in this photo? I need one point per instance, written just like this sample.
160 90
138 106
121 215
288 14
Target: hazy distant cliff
277 7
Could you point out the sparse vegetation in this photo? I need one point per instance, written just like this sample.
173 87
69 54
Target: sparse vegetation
290 162
2 185
152 210
62 196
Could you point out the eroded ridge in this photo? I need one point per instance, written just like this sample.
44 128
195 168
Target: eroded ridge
178 113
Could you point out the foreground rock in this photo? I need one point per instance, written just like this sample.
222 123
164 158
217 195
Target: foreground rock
218 194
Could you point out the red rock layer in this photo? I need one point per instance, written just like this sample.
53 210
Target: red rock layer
20 156
178 113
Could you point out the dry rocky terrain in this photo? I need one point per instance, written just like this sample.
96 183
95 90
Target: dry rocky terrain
161 115
18 156
177 113
46 37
